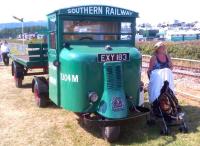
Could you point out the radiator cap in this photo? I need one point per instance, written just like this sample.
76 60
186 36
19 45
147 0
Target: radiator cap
108 47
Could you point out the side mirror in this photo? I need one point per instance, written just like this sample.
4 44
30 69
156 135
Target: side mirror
56 63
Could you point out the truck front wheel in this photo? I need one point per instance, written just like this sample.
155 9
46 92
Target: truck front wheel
41 100
111 134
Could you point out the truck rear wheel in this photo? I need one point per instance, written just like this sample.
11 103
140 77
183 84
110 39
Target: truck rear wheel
41 100
111 134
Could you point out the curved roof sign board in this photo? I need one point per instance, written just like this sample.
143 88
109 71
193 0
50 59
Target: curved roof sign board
97 10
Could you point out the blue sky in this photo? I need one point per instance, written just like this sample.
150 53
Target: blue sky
152 11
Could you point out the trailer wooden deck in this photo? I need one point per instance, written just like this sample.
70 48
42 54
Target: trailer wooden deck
36 56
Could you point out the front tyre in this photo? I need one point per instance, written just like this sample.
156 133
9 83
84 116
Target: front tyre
111 134
40 100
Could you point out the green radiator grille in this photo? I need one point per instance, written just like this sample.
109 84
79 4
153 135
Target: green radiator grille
113 75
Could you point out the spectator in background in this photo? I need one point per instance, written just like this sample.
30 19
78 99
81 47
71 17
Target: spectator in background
4 50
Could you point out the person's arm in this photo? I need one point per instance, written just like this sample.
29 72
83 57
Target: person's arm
170 62
151 64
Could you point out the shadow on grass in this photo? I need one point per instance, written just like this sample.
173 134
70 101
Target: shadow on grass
2 65
27 85
138 132
52 105
93 129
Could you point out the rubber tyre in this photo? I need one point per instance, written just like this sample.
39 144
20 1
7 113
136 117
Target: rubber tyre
18 82
183 129
12 69
165 131
151 122
111 134
40 100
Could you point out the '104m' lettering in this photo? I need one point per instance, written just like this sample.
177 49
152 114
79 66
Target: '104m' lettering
69 78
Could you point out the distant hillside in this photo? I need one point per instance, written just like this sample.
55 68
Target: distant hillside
15 25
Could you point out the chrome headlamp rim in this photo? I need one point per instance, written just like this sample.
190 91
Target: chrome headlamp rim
93 97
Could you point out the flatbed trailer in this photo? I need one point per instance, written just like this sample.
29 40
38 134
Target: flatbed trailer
25 65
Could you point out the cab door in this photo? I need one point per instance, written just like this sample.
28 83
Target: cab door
52 58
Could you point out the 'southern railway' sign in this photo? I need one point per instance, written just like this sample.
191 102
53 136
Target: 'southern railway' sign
98 10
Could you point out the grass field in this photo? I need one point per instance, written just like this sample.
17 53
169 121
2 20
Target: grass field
22 123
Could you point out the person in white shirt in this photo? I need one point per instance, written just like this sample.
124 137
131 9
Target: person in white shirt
5 48
4 51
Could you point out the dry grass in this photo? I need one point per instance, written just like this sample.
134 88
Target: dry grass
22 123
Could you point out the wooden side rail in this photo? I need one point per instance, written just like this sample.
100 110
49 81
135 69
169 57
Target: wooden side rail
37 52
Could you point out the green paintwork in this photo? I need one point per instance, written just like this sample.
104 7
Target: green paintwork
113 103
53 77
82 61
79 72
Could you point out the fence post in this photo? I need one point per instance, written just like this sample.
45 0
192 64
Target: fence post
197 36
183 37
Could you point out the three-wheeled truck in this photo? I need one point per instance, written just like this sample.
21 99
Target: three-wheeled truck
93 68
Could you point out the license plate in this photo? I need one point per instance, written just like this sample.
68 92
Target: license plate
113 57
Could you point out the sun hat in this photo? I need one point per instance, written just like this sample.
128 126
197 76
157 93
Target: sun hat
158 45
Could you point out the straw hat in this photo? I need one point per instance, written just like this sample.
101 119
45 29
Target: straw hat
158 45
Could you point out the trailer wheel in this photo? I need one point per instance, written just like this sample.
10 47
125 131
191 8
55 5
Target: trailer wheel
165 131
111 134
183 129
41 101
18 82
12 69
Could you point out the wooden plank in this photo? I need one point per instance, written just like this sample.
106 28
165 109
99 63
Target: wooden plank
37 52
37 58
37 46
32 64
